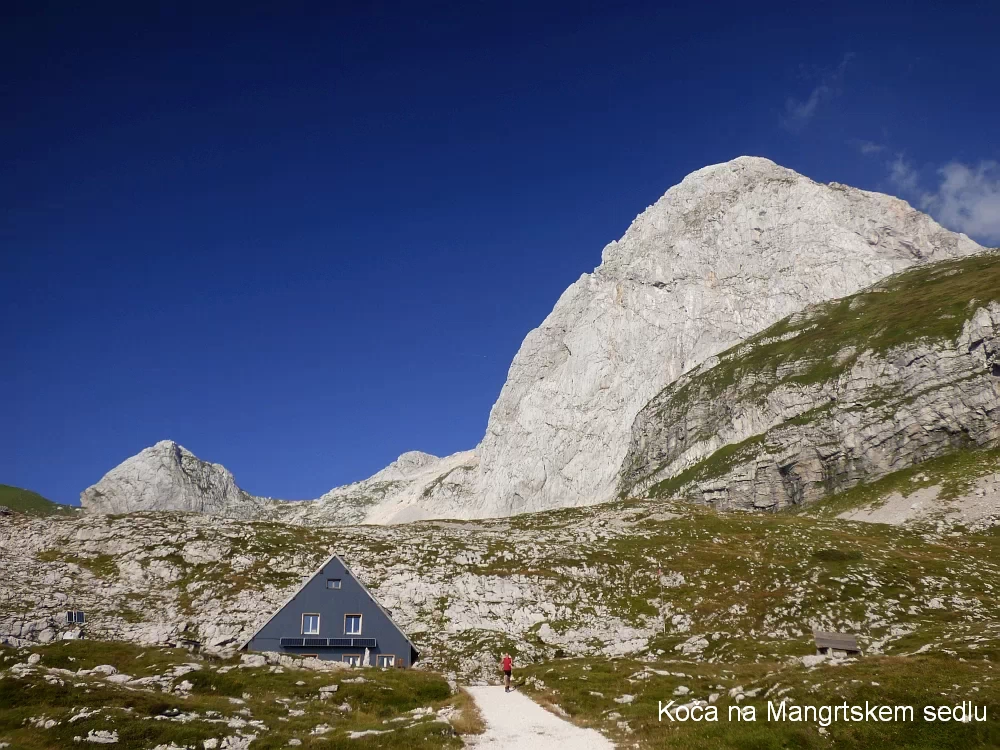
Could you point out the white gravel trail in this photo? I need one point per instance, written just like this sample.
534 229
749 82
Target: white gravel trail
515 722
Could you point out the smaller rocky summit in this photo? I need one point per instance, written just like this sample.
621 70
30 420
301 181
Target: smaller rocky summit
401 492
167 476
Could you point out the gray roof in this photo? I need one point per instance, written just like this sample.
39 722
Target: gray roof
305 582
841 641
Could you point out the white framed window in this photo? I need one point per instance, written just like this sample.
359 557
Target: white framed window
353 659
333 583
386 660
310 624
352 624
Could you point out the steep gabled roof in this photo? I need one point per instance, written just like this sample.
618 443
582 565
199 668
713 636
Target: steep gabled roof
379 605
309 579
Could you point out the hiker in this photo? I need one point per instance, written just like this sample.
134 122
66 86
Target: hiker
508 667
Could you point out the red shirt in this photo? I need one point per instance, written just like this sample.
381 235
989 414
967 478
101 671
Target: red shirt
507 664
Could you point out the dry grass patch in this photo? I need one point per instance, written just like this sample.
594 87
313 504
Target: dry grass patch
467 718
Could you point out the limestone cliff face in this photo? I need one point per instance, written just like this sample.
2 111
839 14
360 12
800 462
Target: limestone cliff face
167 476
847 392
724 254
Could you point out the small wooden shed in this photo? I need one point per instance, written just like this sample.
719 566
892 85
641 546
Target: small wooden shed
836 644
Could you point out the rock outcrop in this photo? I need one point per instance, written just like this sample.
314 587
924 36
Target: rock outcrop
847 392
413 487
727 252
167 476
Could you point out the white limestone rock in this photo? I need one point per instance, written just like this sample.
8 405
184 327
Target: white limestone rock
730 250
167 476
413 487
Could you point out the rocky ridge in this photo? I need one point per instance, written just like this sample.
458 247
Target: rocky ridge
167 476
846 392
727 252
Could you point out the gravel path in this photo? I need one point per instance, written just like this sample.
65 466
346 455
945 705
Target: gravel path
515 722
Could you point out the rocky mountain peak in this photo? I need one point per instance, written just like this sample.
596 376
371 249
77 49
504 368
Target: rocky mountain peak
167 476
722 255
409 463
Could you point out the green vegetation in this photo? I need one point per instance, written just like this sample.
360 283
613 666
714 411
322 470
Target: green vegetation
586 690
928 302
750 586
759 580
837 555
214 700
715 465
271 540
102 566
925 303
31 503
955 473
469 720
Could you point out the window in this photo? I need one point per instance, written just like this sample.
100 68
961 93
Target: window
352 624
333 583
310 624
386 660
353 659
75 617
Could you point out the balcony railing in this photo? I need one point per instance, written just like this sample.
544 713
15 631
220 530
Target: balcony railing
310 642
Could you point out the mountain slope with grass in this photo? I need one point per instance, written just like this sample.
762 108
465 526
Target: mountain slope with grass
578 582
631 598
844 392
26 501
83 692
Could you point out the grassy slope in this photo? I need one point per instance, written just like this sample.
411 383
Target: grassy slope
929 302
758 578
751 585
954 473
587 689
26 501
383 701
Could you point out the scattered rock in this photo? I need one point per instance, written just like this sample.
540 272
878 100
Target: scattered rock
102 736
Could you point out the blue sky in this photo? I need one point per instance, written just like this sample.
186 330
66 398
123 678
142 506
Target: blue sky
301 242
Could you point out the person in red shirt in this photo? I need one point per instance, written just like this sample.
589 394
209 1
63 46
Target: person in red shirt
508 667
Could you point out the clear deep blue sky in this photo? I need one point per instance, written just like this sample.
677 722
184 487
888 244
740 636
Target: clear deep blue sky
302 242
